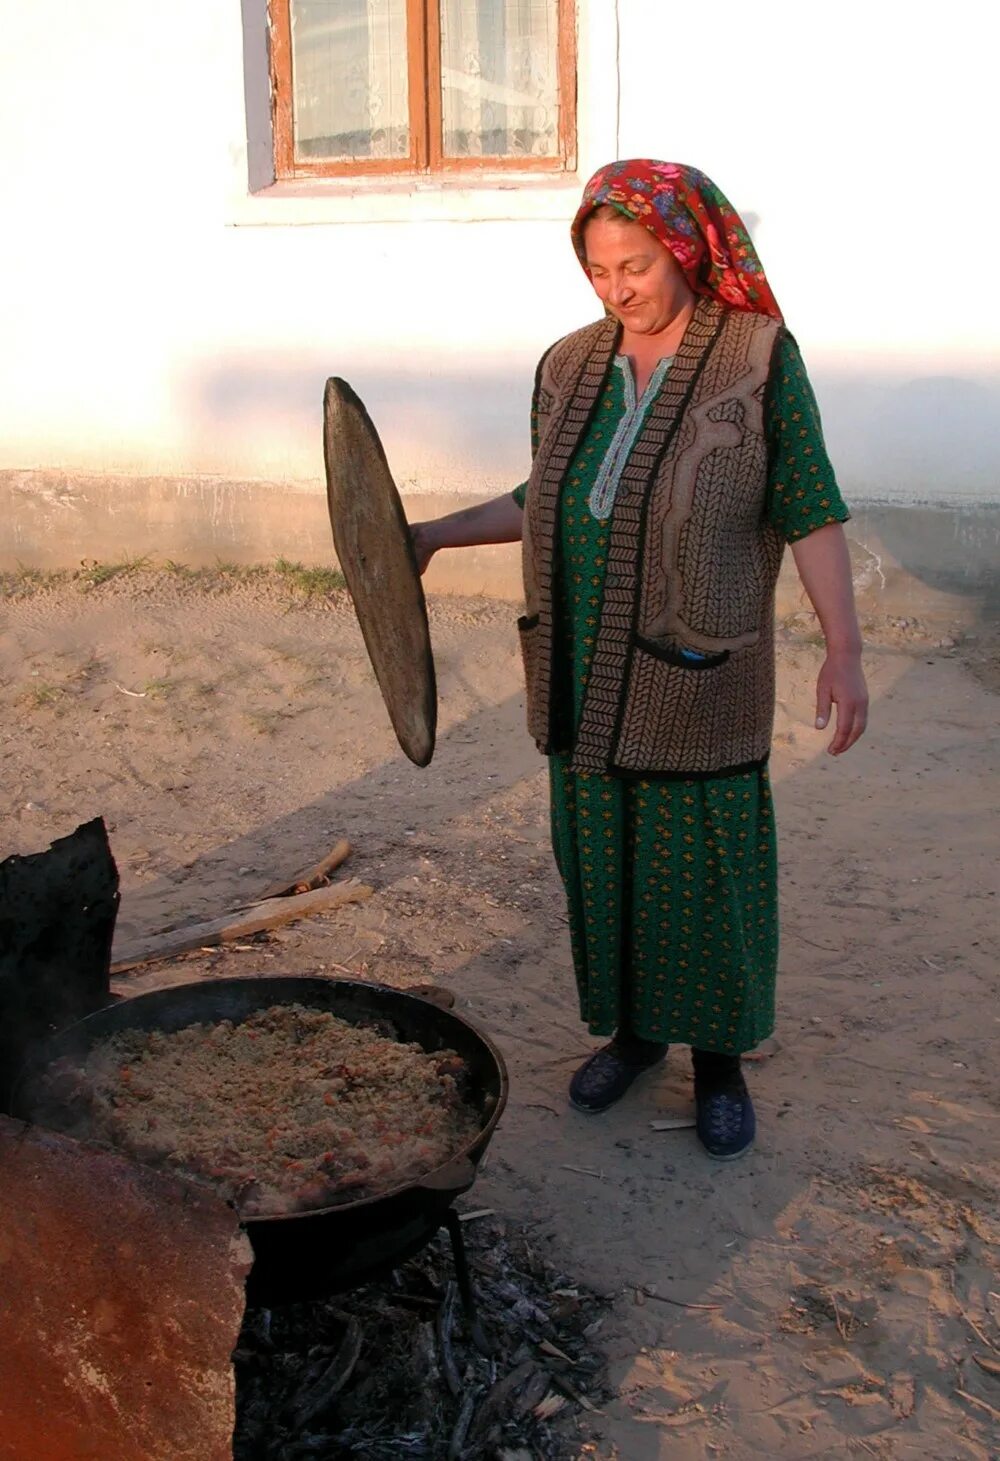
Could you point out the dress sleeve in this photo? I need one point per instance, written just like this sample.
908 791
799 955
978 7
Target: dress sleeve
538 410
802 487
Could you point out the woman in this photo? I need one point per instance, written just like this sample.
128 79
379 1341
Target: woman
676 449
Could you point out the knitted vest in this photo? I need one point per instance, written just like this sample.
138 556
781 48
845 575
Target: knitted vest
691 564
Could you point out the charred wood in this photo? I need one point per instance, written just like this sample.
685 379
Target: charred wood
418 1385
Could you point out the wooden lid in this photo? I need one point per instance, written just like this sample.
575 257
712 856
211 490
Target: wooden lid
376 557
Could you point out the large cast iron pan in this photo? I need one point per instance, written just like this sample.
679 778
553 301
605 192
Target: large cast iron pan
320 1251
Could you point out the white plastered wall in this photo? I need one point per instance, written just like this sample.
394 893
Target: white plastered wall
158 320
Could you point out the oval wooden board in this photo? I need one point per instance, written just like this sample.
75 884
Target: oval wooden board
376 557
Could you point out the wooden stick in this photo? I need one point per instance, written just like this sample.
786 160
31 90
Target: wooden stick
547 1347
983 1338
310 877
445 1320
456 1446
680 1303
982 1404
333 1379
549 1405
270 914
841 1329
575 1394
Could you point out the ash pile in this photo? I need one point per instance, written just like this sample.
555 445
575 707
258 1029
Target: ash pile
391 1370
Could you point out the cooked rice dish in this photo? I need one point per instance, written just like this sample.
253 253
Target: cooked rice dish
292 1108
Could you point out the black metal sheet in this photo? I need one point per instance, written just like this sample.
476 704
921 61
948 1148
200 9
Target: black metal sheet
57 920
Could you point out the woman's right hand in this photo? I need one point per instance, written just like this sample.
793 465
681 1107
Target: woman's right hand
497 521
425 544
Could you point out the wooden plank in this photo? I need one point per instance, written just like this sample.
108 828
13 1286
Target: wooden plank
271 913
488 165
375 553
361 168
435 101
417 81
567 83
279 37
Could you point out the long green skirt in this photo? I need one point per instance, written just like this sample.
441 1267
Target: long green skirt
671 889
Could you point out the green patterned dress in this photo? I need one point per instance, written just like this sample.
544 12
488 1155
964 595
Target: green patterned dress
671 884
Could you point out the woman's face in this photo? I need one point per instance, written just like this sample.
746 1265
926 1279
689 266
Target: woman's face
635 276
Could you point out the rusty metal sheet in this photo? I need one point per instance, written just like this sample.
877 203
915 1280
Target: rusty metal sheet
376 557
121 1298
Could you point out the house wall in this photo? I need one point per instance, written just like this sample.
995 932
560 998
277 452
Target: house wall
165 327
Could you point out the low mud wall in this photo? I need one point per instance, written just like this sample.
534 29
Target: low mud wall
938 562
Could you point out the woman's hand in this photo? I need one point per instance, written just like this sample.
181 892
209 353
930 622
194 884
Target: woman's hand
497 521
842 683
425 544
824 565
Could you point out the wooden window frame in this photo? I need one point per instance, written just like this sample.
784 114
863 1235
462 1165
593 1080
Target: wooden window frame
423 20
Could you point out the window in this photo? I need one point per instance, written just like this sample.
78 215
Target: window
422 86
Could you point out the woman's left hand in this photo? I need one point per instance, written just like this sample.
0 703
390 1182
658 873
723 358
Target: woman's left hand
842 683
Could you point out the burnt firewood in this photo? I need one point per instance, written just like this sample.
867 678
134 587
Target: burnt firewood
504 1398
456 1445
399 1400
445 1321
320 1394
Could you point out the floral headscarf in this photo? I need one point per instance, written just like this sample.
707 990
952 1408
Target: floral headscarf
693 219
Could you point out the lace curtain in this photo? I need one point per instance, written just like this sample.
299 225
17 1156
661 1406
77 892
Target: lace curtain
350 73
499 78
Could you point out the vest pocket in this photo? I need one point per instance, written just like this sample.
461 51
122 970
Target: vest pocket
677 716
684 658
535 674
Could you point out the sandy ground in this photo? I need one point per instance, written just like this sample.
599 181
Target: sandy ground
837 1292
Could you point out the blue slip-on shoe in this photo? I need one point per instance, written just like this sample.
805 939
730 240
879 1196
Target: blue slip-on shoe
605 1077
726 1123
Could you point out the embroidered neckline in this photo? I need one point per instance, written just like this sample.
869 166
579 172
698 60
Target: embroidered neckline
605 488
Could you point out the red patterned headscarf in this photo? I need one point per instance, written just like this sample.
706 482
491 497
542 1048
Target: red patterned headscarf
691 217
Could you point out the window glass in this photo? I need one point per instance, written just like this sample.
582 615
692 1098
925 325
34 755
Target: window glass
499 78
349 77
